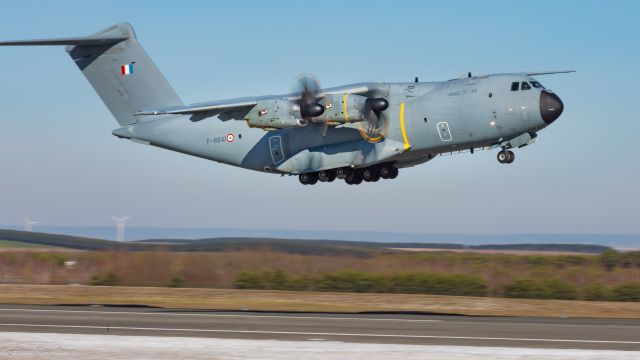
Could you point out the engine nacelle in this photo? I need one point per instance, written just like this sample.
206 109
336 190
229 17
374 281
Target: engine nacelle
342 108
275 114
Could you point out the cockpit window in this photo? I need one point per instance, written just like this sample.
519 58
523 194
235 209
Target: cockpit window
525 86
514 86
536 85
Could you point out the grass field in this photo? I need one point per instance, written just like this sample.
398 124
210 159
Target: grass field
262 300
609 276
14 246
17 244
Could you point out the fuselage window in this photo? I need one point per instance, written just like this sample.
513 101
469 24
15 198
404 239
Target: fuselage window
536 85
514 86
525 86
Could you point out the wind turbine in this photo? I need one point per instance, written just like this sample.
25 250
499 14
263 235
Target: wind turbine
28 224
120 222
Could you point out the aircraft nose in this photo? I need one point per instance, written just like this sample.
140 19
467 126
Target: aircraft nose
550 106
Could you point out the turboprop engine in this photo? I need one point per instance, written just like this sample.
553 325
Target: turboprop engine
275 114
344 108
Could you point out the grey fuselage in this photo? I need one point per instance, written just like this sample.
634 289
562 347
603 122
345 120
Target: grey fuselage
424 119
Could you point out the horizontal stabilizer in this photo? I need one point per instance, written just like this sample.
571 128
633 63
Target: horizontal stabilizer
549 72
85 40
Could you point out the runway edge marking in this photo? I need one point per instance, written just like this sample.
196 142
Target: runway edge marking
324 334
223 315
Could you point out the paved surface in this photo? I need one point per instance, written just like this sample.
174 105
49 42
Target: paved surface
606 334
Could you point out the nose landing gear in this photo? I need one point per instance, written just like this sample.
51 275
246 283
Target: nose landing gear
506 157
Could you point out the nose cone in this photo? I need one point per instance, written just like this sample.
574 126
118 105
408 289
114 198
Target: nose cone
550 106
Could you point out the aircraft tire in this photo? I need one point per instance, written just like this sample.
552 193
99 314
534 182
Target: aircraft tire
354 177
371 174
502 157
385 172
394 172
327 175
308 178
350 177
512 157
342 173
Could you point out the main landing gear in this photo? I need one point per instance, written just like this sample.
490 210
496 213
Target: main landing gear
506 157
351 176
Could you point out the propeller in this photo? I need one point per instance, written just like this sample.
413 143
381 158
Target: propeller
309 88
374 117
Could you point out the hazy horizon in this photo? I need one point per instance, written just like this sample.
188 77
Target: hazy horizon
134 233
204 227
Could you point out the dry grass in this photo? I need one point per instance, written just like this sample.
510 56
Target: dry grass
219 270
229 299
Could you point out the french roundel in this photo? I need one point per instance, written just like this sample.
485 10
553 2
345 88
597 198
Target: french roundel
230 137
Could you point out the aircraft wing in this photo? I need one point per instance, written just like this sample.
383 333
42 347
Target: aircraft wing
549 72
220 106
211 106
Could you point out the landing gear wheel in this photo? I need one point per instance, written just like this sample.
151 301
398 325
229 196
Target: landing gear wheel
371 175
342 173
308 178
327 175
314 179
385 172
358 180
304 179
512 157
503 157
394 173
354 177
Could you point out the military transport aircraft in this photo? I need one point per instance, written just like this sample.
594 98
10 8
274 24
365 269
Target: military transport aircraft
359 132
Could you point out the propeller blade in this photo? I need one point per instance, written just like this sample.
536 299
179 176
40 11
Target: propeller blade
309 87
325 128
374 110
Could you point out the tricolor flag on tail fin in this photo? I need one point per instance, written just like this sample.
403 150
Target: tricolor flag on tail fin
127 69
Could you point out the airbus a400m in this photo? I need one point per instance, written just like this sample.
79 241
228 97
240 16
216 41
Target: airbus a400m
359 132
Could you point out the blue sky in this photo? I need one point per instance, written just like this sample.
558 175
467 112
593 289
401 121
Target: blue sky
59 163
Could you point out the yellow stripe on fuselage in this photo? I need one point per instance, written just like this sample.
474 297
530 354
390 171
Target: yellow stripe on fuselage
407 146
344 107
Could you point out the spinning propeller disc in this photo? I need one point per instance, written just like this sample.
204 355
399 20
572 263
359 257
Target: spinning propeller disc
373 135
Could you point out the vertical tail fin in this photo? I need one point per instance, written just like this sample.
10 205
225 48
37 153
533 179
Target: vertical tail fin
123 75
119 70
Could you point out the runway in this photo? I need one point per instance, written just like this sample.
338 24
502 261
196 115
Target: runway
548 333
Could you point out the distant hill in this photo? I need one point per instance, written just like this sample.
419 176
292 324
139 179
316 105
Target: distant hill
292 246
71 242
619 241
303 247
